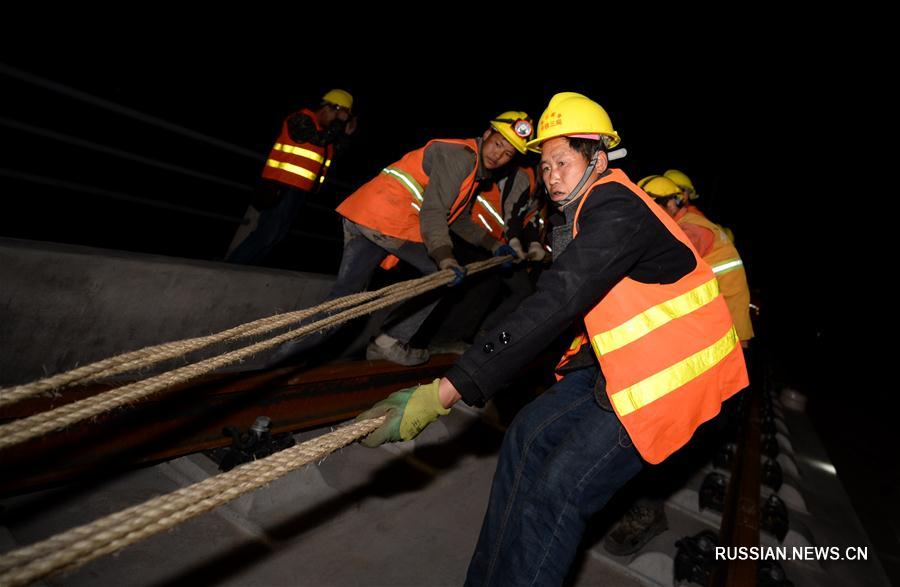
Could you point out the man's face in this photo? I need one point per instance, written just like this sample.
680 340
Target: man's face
331 112
495 150
670 207
561 167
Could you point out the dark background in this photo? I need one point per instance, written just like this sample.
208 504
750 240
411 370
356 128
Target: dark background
749 118
745 128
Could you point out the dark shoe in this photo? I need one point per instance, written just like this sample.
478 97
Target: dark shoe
398 352
636 528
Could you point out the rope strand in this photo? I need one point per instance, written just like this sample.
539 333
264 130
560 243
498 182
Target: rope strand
80 545
37 425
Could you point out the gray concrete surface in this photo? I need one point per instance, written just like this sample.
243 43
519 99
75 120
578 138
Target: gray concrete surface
62 305
399 515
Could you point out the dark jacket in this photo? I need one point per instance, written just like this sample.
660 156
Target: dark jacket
618 236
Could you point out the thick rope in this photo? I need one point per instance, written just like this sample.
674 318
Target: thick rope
78 546
42 423
152 355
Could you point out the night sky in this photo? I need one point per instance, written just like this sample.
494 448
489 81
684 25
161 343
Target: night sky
738 126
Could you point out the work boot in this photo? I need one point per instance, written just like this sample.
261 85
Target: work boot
397 352
636 528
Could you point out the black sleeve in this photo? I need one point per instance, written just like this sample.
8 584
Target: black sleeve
341 145
516 222
529 233
612 239
302 129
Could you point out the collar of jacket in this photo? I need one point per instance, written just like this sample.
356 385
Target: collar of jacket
569 205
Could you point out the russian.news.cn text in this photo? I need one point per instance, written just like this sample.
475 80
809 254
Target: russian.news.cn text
793 553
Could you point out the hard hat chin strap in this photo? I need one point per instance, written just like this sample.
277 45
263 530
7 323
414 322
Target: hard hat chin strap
572 197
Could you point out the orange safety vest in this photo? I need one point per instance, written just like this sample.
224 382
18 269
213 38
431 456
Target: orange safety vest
669 352
487 207
390 202
302 165
729 270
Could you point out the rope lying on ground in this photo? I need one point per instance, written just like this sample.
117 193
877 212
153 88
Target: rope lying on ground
152 355
80 545
39 424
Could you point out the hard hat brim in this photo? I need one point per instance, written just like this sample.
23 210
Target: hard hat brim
516 141
534 145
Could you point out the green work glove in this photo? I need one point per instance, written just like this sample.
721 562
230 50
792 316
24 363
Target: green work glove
408 411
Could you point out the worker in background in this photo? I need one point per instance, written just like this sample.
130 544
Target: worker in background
685 184
406 211
690 195
296 167
713 244
655 358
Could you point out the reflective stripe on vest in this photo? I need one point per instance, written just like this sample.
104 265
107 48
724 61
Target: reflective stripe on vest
300 152
407 181
325 170
390 202
302 165
726 266
291 168
649 390
669 351
487 205
652 318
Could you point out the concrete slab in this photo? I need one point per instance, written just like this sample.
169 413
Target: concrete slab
64 305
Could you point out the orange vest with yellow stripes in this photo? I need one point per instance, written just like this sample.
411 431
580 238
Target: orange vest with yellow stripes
669 352
487 207
729 270
390 202
302 165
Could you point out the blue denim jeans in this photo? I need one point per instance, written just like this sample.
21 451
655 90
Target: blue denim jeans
562 459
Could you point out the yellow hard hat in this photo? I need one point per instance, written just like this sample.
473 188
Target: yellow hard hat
515 126
660 186
682 181
339 98
571 114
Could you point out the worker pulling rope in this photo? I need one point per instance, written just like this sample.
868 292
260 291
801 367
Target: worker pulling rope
80 545
34 426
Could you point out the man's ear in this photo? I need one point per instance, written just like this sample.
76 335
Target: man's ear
602 162
486 134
